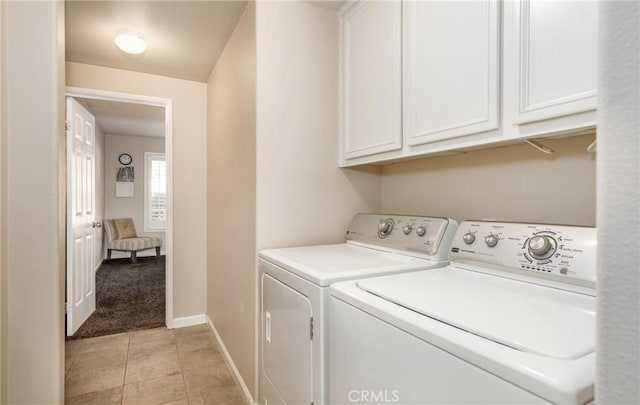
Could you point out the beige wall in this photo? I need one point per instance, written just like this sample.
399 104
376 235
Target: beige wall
303 197
3 211
123 207
189 170
231 199
283 165
32 203
512 183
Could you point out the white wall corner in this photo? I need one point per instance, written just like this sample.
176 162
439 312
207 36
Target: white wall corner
618 217
246 393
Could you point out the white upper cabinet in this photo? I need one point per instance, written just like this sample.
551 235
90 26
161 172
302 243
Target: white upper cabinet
554 58
371 78
424 77
451 63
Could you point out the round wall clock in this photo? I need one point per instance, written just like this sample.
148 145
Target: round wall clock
125 159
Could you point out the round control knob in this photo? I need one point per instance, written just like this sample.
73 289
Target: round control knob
407 229
491 240
385 227
468 238
421 231
541 247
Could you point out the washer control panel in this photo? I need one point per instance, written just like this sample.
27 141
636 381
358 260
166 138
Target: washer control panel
561 252
423 235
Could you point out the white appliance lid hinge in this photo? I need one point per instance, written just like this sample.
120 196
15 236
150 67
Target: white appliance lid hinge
311 331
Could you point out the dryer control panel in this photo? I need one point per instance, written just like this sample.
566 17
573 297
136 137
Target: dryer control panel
423 236
560 253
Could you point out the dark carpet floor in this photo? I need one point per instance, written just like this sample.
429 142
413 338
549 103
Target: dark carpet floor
128 297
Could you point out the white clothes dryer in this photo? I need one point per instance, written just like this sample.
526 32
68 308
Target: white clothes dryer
511 320
294 295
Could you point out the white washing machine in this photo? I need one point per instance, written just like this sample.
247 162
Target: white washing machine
511 320
294 295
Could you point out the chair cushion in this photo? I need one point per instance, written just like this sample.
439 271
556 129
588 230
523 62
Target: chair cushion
125 228
138 243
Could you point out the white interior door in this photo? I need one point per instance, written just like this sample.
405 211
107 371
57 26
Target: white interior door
81 248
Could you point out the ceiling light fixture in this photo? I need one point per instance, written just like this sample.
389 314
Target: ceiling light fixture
130 42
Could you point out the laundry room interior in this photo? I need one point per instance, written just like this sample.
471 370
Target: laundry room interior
368 201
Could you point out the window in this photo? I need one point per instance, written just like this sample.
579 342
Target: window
155 192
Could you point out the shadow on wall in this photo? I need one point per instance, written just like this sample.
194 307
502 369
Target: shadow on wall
366 181
510 183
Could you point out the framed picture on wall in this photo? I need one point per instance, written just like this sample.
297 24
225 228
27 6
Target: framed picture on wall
125 180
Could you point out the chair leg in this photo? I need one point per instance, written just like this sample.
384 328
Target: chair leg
158 251
108 254
134 257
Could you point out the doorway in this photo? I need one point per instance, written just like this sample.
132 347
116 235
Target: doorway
96 97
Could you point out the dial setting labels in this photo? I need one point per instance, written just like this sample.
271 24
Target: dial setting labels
566 251
419 234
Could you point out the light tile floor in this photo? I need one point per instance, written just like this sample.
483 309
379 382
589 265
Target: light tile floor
154 366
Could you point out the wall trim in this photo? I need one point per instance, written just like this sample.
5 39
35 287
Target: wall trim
248 399
185 321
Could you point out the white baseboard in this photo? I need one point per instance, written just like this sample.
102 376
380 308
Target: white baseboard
248 398
98 266
185 321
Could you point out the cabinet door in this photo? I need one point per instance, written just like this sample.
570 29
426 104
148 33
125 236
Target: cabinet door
286 342
371 89
556 63
451 63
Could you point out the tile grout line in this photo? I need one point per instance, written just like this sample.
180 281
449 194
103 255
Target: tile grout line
186 389
126 364
73 360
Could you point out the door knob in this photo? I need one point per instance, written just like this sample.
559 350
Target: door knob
97 224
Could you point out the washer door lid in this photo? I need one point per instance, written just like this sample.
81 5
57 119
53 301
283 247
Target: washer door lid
524 316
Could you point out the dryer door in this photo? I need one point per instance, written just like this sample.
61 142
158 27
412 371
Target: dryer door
286 341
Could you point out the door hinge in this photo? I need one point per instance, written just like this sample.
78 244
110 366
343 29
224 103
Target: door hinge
67 308
67 126
311 328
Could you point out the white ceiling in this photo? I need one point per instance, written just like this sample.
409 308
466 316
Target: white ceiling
184 38
329 4
114 117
